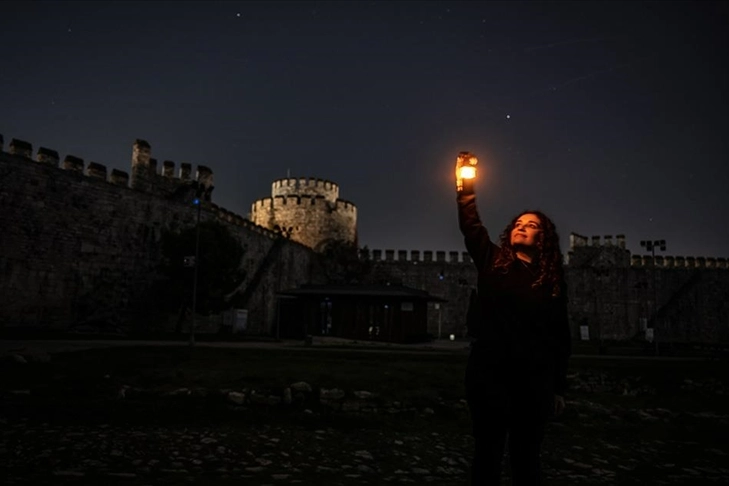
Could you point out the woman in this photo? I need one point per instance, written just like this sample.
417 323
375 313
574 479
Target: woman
516 372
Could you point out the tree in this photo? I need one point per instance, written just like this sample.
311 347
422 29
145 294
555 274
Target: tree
218 263
344 263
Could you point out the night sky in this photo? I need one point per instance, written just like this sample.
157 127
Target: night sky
610 117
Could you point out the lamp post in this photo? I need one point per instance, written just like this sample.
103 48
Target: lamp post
196 263
651 246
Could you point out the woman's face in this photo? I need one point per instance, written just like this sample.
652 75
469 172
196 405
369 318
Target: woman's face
526 229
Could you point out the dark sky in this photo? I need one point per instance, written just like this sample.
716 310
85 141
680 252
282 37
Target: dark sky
610 117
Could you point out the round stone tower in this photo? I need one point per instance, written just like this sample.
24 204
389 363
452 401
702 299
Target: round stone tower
309 211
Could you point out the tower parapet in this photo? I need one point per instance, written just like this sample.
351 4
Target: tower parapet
307 210
305 186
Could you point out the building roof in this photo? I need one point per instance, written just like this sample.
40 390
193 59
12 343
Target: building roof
391 291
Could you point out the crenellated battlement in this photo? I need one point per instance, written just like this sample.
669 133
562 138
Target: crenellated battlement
307 201
147 168
577 241
636 261
305 186
583 250
144 177
416 256
646 261
147 177
345 206
71 163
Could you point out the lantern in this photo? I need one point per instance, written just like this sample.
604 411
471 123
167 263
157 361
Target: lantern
465 168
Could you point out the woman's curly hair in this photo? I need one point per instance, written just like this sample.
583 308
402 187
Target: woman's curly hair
549 256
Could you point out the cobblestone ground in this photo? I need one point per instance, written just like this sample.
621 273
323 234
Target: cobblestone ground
75 422
262 453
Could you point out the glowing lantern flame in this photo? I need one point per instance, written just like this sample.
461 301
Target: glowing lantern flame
467 172
466 166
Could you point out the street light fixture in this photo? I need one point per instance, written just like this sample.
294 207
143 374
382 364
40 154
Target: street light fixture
652 245
196 263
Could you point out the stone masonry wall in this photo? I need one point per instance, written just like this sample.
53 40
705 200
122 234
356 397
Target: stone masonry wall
308 211
79 242
451 279
76 244
609 291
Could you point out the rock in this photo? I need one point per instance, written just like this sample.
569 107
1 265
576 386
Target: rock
287 396
363 395
68 473
350 406
646 416
260 399
122 392
301 386
365 468
333 394
19 359
364 455
419 470
237 397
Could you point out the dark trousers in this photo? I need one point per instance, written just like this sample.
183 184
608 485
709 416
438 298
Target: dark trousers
506 408
492 429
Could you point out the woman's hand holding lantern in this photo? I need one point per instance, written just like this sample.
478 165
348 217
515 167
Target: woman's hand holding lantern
465 171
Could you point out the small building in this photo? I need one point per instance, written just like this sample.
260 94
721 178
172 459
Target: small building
386 313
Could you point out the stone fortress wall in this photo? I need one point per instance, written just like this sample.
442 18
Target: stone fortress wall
615 294
80 243
309 211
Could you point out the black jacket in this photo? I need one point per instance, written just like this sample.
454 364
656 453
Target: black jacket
522 329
